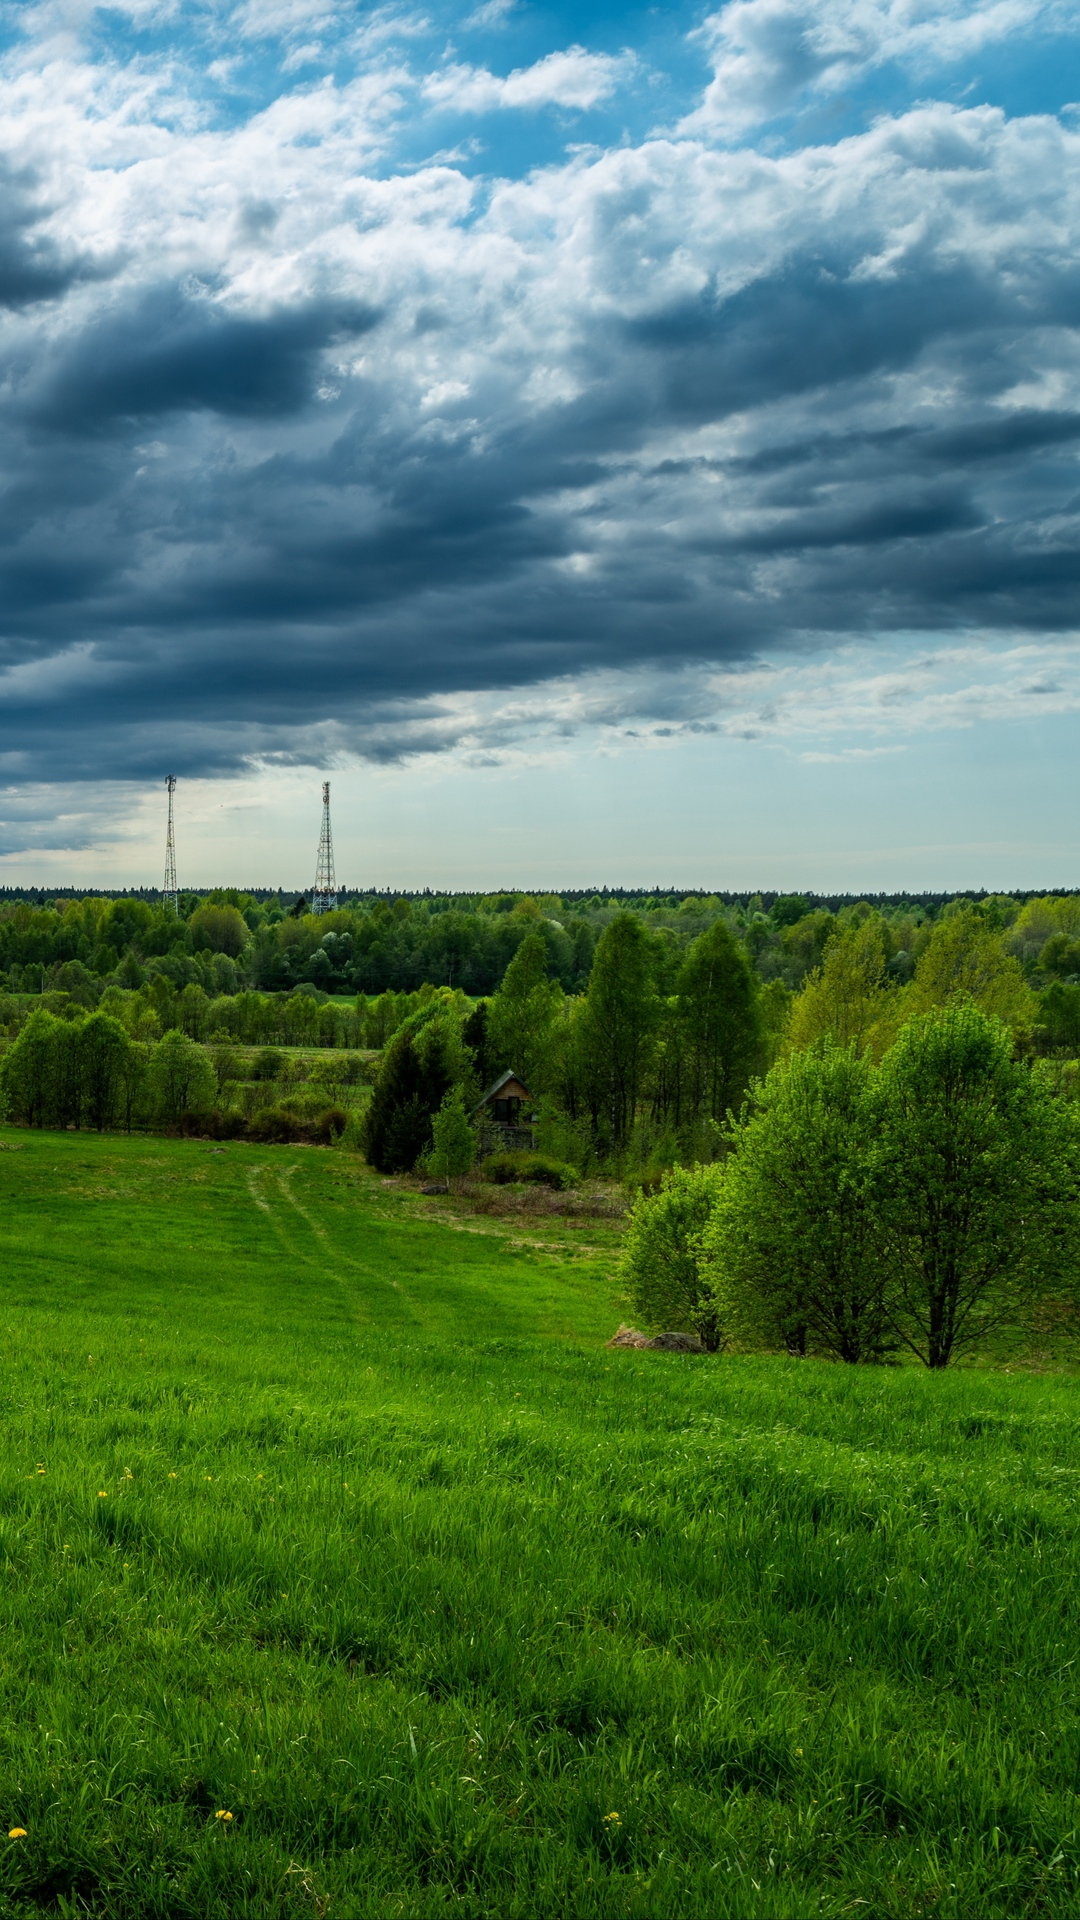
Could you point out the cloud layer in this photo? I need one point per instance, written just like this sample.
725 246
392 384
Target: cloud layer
302 431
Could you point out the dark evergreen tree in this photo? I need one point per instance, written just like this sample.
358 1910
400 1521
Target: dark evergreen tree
417 1072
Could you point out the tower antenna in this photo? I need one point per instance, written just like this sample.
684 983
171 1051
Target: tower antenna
324 892
168 891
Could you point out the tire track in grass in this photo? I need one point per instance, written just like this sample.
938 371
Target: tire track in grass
264 1205
343 1267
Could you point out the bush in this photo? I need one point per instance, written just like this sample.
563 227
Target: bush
662 1256
534 1169
453 1149
212 1124
274 1126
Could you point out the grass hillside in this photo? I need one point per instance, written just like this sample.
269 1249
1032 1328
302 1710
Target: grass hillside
339 1520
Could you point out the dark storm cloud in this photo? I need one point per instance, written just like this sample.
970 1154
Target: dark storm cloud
171 353
903 519
231 518
33 268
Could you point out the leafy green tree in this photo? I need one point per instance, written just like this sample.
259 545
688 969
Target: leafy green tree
977 1182
1039 920
718 1025
794 1246
847 999
966 958
29 1070
661 1258
617 1031
522 1014
1059 1015
453 1149
789 909
103 1063
180 1078
220 928
194 1007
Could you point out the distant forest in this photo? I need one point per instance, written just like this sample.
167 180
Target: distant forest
229 941
638 1020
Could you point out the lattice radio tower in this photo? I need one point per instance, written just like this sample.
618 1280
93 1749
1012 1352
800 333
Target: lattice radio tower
324 892
168 891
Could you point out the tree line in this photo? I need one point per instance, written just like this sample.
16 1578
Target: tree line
229 942
87 1071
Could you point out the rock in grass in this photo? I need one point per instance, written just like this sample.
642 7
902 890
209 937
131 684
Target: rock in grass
676 1343
629 1337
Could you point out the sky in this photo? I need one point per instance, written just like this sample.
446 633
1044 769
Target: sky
613 444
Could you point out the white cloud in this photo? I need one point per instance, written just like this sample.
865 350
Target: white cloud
493 13
572 78
767 54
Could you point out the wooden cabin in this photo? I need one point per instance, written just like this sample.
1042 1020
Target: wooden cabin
502 1116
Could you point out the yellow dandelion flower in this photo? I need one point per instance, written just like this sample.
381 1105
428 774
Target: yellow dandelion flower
223 1814
612 1819
16 1833
102 1495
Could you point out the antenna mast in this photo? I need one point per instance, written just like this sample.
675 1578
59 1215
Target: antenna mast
324 892
168 891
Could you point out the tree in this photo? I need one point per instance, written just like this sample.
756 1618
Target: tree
29 1070
977 1182
793 1246
419 1067
522 1013
220 928
661 1258
194 1006
847 999
103 1064
453 1149
181 1078
718 1026
475 1035
617 1030
965 958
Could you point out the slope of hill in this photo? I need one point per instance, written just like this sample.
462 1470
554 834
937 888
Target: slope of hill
346 1573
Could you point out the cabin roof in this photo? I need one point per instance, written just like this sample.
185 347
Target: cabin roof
497 1086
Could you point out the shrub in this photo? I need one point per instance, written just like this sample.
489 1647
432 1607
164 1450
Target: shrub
505 1169
453 1149
272 1126
276 1125
662 1255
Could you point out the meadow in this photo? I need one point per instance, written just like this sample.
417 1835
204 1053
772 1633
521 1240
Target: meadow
346 1573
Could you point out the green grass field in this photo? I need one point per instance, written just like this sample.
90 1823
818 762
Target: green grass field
338 1518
